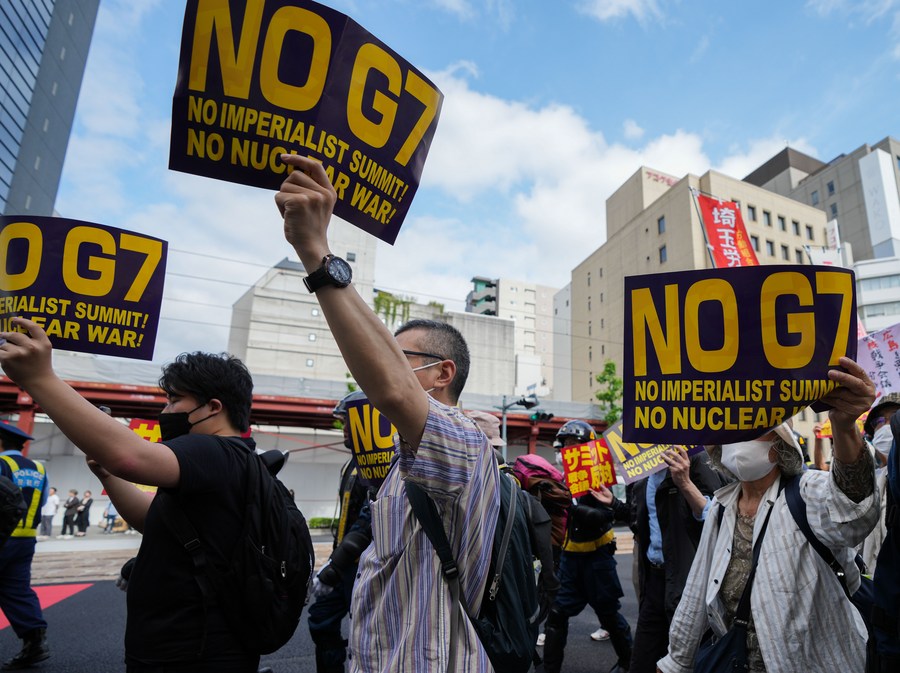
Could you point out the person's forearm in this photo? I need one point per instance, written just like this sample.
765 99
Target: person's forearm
694 498
131 502
373 357
819 455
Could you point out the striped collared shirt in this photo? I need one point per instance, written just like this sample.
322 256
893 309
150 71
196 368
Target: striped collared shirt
803 620
400 617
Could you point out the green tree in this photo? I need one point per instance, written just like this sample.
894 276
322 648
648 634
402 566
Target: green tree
610 393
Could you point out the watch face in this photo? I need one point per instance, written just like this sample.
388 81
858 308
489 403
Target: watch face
339 270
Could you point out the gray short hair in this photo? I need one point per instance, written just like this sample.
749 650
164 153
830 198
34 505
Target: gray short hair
787 459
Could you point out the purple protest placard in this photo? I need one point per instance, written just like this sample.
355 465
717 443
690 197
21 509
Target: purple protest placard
93 288
720 355
373 440
637 461
258 79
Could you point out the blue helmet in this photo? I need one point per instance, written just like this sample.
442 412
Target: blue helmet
340 409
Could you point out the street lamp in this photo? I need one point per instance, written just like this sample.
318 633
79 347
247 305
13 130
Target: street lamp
529 402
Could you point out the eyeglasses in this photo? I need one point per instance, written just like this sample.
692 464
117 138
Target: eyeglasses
425 355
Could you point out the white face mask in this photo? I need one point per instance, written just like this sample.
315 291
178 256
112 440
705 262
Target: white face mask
415 369
883 439
748 461
559 458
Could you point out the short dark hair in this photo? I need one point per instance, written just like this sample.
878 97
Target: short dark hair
445 340
208 376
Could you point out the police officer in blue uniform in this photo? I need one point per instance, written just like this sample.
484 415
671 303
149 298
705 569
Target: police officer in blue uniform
18 600
587 571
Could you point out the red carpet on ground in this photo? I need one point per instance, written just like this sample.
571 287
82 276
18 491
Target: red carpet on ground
50 594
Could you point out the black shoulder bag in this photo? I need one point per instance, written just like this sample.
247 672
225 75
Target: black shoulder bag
729 653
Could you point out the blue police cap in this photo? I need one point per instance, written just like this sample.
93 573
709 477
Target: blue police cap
13 433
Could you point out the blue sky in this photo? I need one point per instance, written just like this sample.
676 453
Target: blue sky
549 107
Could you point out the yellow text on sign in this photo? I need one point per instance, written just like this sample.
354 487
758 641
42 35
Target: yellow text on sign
365 429
238 65
79 247
666 342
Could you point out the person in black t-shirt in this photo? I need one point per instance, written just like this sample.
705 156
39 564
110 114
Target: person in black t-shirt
209 398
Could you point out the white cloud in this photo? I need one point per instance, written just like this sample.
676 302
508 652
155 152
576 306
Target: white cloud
631 130
461 8
608 10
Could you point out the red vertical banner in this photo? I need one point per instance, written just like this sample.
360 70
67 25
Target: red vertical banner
587 466
725 233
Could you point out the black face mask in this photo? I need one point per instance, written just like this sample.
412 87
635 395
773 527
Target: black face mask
175 423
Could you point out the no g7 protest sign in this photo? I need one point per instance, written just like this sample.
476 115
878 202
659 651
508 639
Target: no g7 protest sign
720 355
93 288
261 78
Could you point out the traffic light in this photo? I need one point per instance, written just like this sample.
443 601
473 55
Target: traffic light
540 415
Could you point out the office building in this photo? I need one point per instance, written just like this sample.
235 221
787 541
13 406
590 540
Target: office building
43 50
860 190
530 306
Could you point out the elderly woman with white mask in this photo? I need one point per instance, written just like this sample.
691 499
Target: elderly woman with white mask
800 620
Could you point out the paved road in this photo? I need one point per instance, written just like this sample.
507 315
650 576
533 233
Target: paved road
87 628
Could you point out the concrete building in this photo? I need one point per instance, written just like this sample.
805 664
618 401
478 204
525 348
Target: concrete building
653 227
530 306
562 344
278 329
860 190
43 50
878 292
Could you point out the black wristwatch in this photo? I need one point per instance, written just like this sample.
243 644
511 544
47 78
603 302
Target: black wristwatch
334 271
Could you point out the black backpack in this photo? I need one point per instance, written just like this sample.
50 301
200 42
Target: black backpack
263 591
12 507
507 624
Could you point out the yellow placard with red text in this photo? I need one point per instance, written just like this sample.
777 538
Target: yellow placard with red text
148 430
587 466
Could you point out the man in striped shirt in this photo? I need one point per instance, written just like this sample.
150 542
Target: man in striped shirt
401 607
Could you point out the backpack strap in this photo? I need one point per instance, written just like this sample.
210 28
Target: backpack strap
426 513
797 506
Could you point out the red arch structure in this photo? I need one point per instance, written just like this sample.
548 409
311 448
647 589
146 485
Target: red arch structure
131 401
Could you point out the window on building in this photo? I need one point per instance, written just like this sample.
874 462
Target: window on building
798 255
601 297
351 256
751 213
590 379
754 241
601 323
590 328
312 336
53 89
589 303
782 223
589 278
833 209
767 218
602 349
46 124
814 197
785 253
795 227
310 362
809 233
590 354
71 18
661 225
37 162
830 188
62 54
770 248
28 202
663 255
601 272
